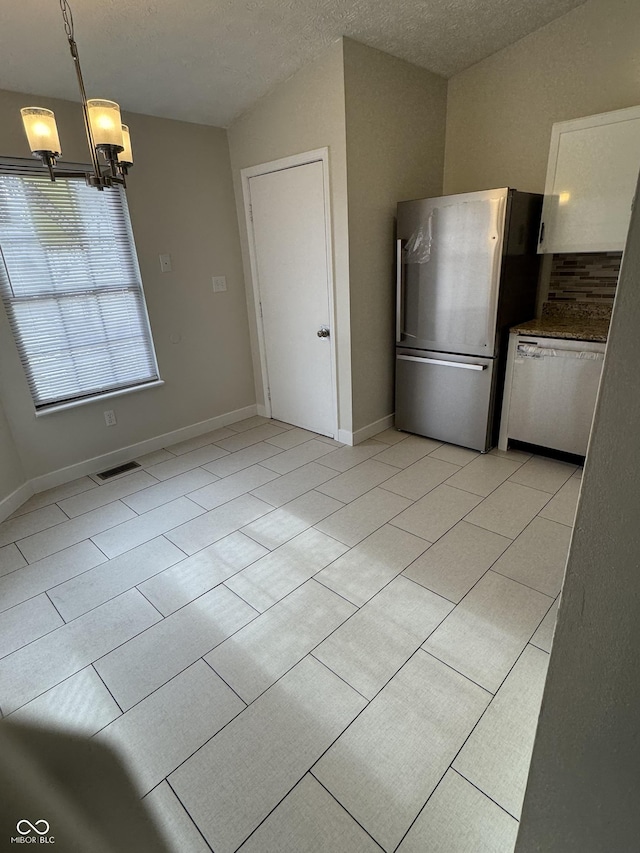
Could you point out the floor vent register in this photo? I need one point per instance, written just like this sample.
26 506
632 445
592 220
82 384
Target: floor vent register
120 469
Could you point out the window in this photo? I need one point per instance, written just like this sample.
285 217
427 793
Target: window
71 286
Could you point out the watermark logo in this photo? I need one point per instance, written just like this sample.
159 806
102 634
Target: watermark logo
30 827
33 833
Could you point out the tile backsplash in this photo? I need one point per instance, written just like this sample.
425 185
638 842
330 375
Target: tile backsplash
584 277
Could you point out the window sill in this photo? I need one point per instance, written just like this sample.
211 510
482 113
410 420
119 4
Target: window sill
51 410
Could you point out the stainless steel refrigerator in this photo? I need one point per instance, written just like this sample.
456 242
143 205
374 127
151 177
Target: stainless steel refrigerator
467 270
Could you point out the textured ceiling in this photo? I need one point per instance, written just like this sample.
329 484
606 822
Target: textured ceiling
208 60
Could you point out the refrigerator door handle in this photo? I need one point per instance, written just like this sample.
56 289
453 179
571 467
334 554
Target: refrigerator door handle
460 364
399 291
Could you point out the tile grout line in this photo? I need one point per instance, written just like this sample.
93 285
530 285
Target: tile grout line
155 536
450 666
482 498
46 634
484 574
484 794
123 592
369 703
155 689
224 681
297 781
122 498
228 588
88 539
57 503
186 556
413 502
70 521
137 589
274 548
319 643
472 730
95 488
55 586
52 603
91 663
112 597
26 562
344 809
186 810
490 702
332 671
35 532
290 791
359 608
513 538
106 687
522 583
428 588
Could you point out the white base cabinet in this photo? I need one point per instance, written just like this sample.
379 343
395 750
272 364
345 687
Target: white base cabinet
591 179
550 392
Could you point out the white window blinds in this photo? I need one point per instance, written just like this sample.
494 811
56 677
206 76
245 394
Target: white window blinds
71 286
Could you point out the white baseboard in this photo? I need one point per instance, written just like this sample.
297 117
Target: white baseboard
11 503
117 457
126 454
344 436
360 435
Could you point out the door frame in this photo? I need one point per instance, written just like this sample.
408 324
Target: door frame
318 155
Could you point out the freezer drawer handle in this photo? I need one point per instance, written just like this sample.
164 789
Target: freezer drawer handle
443 363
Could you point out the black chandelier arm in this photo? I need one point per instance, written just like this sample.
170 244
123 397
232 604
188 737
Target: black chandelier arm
115 175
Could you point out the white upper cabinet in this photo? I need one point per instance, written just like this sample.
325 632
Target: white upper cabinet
591 179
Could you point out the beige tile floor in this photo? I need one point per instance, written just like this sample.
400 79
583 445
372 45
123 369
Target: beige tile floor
298 647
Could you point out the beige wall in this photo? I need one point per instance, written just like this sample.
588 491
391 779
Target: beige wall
395 119
11 473
383 121
303 113
188 212
582 793
500 111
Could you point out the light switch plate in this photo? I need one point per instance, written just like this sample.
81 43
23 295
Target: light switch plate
219 283
165 263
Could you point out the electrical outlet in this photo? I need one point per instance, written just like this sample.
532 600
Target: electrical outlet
219 283
165 263
110 418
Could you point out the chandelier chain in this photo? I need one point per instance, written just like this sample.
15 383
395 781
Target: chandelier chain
67 17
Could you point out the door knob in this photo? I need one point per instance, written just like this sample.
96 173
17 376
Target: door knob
323 332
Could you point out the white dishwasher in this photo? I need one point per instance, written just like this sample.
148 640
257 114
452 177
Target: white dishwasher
551 386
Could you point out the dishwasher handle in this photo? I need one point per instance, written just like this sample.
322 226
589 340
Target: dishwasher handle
535 351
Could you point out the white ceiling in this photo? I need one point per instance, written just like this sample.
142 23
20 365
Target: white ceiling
208 60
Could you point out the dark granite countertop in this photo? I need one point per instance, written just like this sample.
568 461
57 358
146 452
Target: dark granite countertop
570 321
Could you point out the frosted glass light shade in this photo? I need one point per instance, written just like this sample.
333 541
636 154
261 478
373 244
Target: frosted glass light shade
106 125
42 132
126 156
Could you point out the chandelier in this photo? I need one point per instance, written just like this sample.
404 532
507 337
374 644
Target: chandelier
106 135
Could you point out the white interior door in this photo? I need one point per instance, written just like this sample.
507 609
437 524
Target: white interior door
290 246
